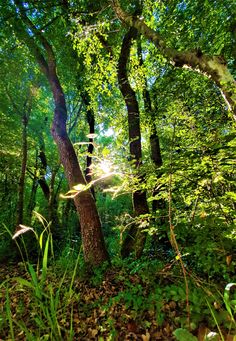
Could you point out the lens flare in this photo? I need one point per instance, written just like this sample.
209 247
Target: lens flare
105 166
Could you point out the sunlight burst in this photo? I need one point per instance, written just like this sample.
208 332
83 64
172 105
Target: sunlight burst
105 166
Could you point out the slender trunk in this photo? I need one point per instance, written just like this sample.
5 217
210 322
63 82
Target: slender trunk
48 191
91 123
92 238
42 168
156 157
157 204
214 67
135 239
155 150
66 212
32 202
52 208
20 204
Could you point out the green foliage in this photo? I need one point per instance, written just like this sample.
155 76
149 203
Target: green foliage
9 314
194 189
184 335
230 303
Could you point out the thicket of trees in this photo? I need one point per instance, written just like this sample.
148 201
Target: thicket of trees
117 125
146 89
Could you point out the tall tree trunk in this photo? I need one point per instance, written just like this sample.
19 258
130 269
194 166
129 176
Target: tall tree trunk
213 66
156 157
48 191
20 204
157 204
92 238
52 207
155 150
32 202
135 239
91 123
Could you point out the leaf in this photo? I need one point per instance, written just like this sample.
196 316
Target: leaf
227 297
40 218
92 136
232 195
228 260
146 337
20 230
45 259
24 282
184 335
33 276
212 336
79 187
41 240
105 152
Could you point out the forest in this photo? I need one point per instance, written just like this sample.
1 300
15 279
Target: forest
118 170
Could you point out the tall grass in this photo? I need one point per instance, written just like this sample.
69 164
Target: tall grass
49 302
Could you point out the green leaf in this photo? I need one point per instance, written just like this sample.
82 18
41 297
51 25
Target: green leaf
24 282
227 297
184 335
45 259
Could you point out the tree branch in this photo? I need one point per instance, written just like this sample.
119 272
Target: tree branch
212 66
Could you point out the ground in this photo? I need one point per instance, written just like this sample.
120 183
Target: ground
104 305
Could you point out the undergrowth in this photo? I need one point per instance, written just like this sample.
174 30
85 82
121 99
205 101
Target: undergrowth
61 299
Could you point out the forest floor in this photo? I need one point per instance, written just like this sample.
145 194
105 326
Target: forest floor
113 305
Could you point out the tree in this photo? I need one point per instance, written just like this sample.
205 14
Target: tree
177 119
93 243
24 113
135 238
213 66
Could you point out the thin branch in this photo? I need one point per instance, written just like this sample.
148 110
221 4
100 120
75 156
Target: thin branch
51 57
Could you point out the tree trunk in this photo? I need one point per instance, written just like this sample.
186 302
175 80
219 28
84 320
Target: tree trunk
155 150
92 238
53 206
20 204
157 204
156 157
213 66
135 239
32 202
91 123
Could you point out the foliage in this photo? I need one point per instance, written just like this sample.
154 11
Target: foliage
184 335
193 189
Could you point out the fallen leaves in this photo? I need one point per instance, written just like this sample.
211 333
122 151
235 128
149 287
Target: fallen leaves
116 309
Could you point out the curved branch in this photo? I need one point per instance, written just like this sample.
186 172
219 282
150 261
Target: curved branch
214 67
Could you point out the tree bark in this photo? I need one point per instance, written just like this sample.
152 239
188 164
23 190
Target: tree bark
155 150
214 67
92 238
21 188
32 203
135 239
91 123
